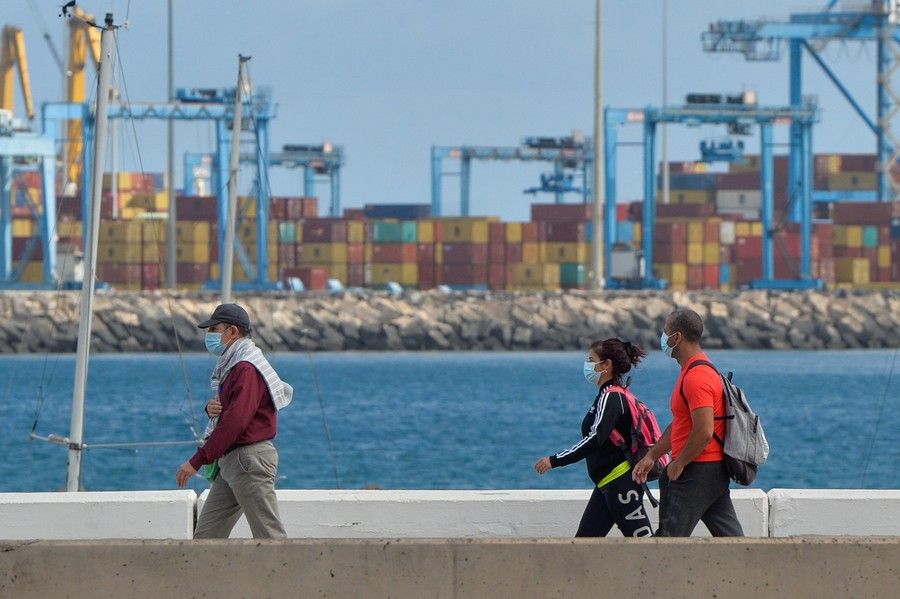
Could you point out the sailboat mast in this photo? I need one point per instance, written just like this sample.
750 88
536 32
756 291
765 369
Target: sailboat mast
234 165
76 428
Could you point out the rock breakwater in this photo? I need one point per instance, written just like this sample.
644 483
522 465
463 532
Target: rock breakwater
38 322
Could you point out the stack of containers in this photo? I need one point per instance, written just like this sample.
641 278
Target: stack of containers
197 253
563 251
748 251
394 254
670 252
324 244
862 236
120 254
513 249
356 253
497 255
463 255
428 234
23 229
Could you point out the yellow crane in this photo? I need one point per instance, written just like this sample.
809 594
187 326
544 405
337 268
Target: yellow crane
84 41
13 56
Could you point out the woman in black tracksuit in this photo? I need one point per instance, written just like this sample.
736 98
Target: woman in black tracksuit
617 499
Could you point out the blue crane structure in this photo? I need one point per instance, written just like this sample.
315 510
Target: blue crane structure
566 154
763 40
315 159
19 151
735 116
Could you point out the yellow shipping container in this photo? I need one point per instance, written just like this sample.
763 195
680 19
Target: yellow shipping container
533 287
405 274
742 229
147 201
153 231
884 256
152 251
749 164
356 232
540 274
695 253
530 253
675 274
33 273
695 231
850 236
193 232
323 253
711 253
438 253
272 253
117 251
636 233
513 232
756 229
369 253
121 231
338 271
69 228
685 196
247 206
558 253
425 231
851 270
853 180
194 253
465 230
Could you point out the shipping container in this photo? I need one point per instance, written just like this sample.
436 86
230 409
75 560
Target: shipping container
381 274
356 253
394 253
464 274
674 273
864 213
314 278
852 181
356 232
540 274
557 253
748 247
561 212
564 232
514 232
852 270
410 212
465 253
322 253
465 230
325 231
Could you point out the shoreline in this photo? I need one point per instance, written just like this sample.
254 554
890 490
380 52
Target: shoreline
46 321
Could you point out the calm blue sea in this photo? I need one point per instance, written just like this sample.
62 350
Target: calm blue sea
440 420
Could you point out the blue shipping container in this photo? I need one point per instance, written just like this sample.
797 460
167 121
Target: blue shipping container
398 211
624 232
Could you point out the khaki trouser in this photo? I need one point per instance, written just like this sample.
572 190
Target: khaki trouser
246 484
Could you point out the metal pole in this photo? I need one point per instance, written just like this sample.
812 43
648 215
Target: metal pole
228 249
171 257
596 279
73 477
113 166
664 139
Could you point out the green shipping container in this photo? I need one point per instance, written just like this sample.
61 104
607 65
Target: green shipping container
394 232
287 232
572 274
870 237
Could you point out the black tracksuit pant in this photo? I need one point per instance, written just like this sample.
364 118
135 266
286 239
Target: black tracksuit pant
621 503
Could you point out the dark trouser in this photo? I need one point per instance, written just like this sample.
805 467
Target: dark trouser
621 503
700 493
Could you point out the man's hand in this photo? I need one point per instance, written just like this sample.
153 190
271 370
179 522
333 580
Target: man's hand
542 465
185 472
642 469
213 408
674 470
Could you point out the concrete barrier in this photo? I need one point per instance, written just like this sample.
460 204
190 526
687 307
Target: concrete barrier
834 512
98 515
455 514
448 568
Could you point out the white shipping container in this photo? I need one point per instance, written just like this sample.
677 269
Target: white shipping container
740 199
625 264
726 232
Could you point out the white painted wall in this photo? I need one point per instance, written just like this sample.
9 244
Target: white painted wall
98 515
834 512
428 514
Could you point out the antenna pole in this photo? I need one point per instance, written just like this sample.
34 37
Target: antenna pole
76 430
228 255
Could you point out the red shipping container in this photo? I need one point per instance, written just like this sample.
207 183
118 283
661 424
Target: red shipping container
393 253
192 273
711 232
695 277
671 232
20 243
864 213
790 244
669 252
425 253
438 231
497 253
497 276
748 270
356 275
310 207
426 276
737 181
325 230
465 253
561 212
356 253
464 274
622 210
496 232
116 272
845 252
286 255
726 254
513 253
711 276
858 162
530 233
278 209
354 214
565 232
150 275
884 235
197 208
747 247
313 277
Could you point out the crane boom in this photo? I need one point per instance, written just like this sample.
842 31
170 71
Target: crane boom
84 41
13 56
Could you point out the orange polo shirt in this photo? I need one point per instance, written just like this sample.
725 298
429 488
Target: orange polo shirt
703 389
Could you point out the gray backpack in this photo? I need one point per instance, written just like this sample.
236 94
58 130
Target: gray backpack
745 444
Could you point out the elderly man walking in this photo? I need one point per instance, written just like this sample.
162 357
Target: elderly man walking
247 395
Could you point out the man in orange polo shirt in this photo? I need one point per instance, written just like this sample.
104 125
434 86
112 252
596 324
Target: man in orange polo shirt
694 486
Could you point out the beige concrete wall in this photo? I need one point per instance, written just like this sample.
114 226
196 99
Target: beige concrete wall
669 568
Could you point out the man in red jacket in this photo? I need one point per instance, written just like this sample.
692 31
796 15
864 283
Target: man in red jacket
244 421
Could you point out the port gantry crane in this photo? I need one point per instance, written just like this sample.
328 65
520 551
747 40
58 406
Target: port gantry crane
874 21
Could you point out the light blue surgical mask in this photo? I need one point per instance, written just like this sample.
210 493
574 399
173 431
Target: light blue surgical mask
214 343
664 344
592 376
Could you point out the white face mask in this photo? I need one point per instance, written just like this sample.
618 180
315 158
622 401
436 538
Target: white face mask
591 375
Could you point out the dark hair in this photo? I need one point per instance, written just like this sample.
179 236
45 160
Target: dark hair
688 323
623 354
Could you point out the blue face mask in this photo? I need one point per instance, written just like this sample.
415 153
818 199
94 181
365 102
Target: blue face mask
664 344
214 344
591 375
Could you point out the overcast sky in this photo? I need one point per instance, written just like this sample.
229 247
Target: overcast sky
389 78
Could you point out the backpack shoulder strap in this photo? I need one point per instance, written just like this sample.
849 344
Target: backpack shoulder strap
691 367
